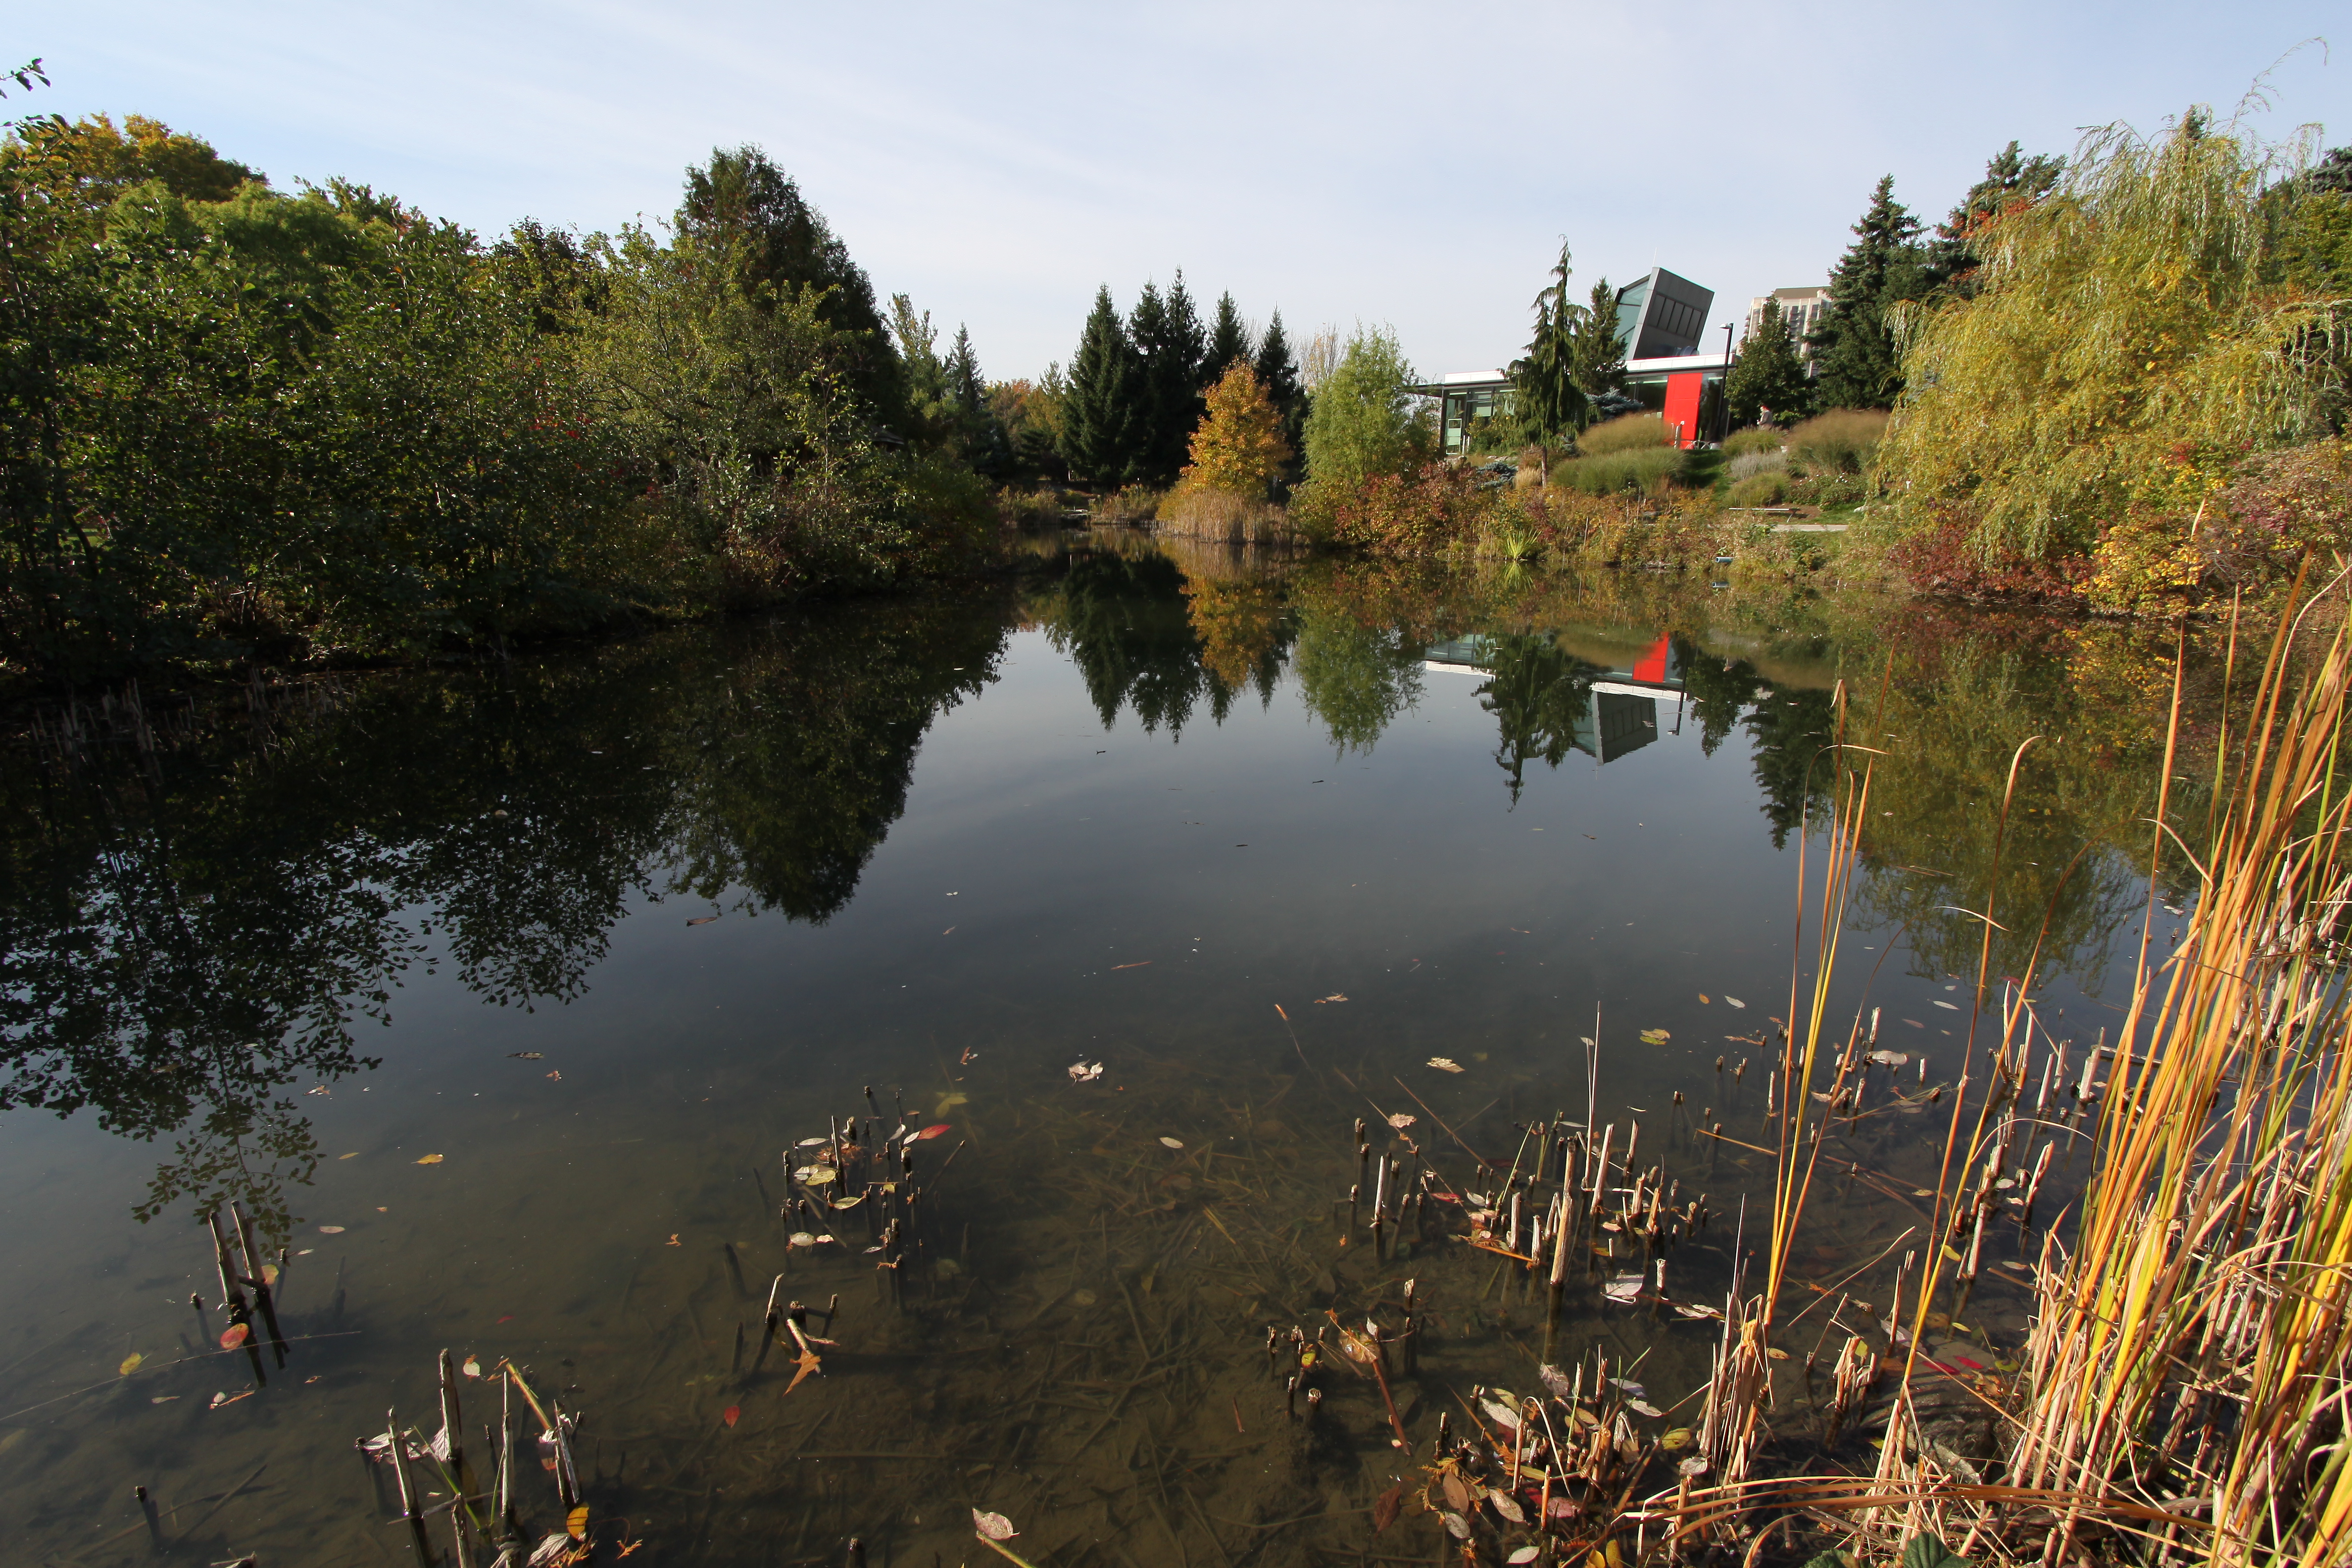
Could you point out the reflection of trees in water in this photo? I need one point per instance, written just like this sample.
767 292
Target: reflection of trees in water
181 945
1539 694
1356 677
1146 638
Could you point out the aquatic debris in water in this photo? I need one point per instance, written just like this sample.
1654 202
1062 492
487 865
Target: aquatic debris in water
1400 1121
430 1159
1172 1142
1890 1058
937 1130
1082 1072
235 1335
993 1526
807 1238
526 1056
131 1364
1656 1036
1733 1002
1445 1064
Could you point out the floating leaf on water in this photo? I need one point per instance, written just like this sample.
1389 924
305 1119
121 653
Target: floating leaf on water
1891 1059
849 1203
1693 1465
702 920
472 1368
131 1364
937 1130
1560 1386
802 1238
221 1399
1457 1526
1445 1064
558 1076
164 1399
1656 1036
1629 1386
1501 1415
1586 1416
430 1159
1457 1495
1524 1554
1776 1353
1171 1142
1400 1121
1625 1287
575 1523
1733 1002
813 1143
732 1415
993 1526
1679 1438
821 1176
1640 1407
1085 1072
1384 1510
526 1056
235 1335
1507 1505
1588 1041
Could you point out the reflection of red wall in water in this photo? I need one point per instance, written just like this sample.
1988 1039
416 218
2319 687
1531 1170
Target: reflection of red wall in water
1650 668
1682 405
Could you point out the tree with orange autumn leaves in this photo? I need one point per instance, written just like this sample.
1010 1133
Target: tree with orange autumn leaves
1239 446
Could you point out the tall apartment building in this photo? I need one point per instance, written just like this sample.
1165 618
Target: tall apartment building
1802 308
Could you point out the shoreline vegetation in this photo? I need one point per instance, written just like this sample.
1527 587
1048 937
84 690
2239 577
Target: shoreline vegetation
241 427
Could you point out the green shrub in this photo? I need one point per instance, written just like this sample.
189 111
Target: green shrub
1627 433
1642 469
1131 504
1755 438
1766 489
1843 441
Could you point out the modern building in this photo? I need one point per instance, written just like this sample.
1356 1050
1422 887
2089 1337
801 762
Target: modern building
1661 326
1617 704
1802 308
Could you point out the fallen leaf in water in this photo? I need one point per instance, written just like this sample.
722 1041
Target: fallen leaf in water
935 1130
352 1155
575 1524
1138 963
820 1175
1171 1142
1553 1379
526 1056
802 1238
1625 1287
1891 1059
430 1159
1400 1121
1680 1438
673 1240
993 1526
221 1399
557 1076
321 1090
1456 1494
1640 1408
472 1368
331 1230
812 1143
1693 1465
1456 1526
949 1102
1334 996
702 920
1702 996
1445 1064
1946 1006
1507 1505
131 1364
1524 1554
1656 1036
1384 1510
1082 1072
1776 1353
732 1415
1501 1415
235 1335
164 1399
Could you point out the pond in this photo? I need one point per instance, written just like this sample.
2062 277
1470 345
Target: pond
502 1000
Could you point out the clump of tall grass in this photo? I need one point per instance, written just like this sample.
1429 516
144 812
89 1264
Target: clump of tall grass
1769 488
1192 512
1755 438
1646 469
1130 504
1843 441
1752 462
1627 433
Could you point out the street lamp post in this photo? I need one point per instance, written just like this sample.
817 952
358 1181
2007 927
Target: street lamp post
1727 384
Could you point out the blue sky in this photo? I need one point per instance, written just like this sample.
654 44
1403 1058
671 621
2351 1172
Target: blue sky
1415 164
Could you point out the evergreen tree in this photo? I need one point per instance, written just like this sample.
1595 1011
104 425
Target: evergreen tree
1099 414
1768 373
1169 344
1596 352
1855 362
982 440
2011 184
1228 340
1549 404
1278 374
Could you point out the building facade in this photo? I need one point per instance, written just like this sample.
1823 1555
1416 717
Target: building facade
1802 308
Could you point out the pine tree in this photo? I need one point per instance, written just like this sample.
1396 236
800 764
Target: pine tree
981 439
1278 374
1768 373
1549 404
2011 184
1165 331
1228 340
1855 362
1596 352
1098 428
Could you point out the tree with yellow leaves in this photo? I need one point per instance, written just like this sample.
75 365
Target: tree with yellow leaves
1238 448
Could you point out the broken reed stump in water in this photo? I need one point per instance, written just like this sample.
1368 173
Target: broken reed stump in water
240 1313
410 1508
259 1277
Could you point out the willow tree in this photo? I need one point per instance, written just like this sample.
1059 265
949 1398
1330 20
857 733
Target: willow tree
2123 353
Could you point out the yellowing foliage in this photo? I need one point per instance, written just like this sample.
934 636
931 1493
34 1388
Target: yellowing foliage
1239 445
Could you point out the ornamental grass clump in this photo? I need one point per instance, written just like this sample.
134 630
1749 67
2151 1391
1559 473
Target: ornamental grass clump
1625 432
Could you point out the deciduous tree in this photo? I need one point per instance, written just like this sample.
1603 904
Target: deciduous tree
1238 446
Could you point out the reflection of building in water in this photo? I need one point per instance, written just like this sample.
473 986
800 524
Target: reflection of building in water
1606 713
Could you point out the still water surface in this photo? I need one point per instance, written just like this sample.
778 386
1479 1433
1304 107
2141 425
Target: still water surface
609 930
